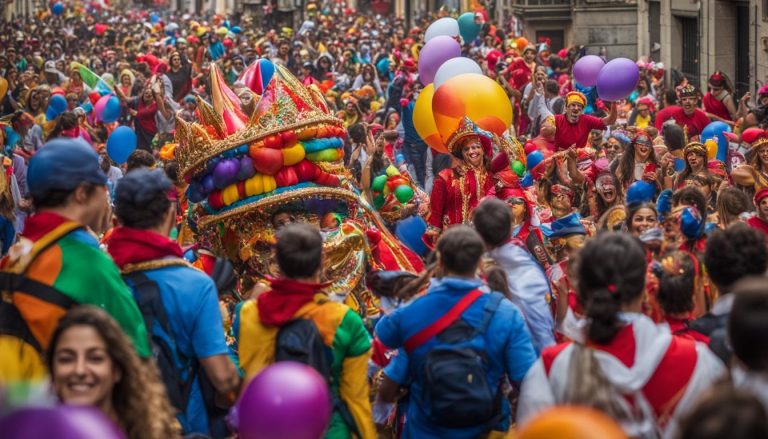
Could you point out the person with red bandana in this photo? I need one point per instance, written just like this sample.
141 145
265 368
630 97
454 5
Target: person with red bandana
573 127
686 114
760 221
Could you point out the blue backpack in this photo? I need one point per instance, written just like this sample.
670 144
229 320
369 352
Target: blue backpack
455 375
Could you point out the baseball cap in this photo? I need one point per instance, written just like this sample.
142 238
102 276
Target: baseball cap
63 164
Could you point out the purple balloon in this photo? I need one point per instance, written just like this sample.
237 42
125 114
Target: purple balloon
225 173
66 422
617 79
586 70
437 51
286 400
246 168
207 184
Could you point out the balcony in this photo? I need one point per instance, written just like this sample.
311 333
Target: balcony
541 10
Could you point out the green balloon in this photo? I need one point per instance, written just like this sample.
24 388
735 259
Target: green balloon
518 167
378 201
403 193
378 183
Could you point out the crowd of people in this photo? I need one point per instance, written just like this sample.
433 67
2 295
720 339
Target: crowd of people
610 255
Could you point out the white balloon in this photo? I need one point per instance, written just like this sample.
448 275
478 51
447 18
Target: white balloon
444 26
455 67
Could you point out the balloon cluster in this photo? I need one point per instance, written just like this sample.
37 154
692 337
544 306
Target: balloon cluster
615 80
279 160
389 187
455 86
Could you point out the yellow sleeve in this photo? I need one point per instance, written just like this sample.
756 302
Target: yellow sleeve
354 391
21 362
256 342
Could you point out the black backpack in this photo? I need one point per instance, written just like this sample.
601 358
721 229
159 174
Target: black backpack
455 381
300 341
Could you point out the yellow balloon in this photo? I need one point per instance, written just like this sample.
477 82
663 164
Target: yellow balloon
475 96
424 121
711 145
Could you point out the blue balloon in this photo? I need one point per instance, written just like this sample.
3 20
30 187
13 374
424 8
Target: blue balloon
715 130
50 114
399 158
111 110
527 180
409 231
534 158
640 192
154 18
58 103
57 8
121 144
87 107
468 28
235 29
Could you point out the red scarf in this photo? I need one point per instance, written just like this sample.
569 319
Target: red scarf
279 305
758 223
127 245
39 224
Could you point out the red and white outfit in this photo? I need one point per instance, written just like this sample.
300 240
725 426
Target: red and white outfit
655 371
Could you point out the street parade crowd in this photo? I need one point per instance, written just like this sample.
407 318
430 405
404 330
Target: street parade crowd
218 226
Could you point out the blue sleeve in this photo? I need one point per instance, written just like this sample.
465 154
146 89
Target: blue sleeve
397 369
388 330
519 354
208 330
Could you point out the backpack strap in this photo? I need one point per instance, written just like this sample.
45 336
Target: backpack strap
443 322
491 305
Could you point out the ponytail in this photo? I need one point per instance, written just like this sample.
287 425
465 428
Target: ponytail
611 272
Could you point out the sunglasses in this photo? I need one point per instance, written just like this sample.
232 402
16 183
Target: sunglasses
515 200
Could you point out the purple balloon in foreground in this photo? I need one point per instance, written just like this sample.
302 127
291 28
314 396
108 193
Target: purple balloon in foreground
617 79
437 51
586 70
286 400
58 422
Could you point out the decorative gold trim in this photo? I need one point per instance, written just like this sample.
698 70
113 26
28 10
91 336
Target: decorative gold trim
154 264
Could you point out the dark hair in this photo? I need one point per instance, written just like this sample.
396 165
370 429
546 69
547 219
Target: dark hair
611 272
633 209
139 159
674 136
749 323
671 97
172 171
299 249
690 196
460 249
493 222
731 202
727 412
357 133
496 279
66 121
141 198
60 197
551 86
735 253
676 287
626 163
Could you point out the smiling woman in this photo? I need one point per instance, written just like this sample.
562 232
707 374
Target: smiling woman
92 363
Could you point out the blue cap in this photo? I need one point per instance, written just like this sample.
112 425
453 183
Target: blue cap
567 225
63 164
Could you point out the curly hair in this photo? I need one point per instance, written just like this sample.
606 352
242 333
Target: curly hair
139 398
734 253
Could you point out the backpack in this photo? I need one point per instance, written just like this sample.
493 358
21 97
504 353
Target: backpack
14 281
454 377
300 341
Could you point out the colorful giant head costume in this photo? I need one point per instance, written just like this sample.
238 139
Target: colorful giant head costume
286 157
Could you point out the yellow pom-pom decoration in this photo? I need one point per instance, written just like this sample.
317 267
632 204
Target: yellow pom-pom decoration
391 170
269 183
230 194
254 185
293 155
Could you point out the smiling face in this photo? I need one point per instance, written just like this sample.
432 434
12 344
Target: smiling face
642 152
643 220
83 373
689 104
762 152
606 188
529 55
612 149
472 153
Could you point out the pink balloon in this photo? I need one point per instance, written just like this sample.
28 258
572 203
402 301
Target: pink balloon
98 109
437 51
586 69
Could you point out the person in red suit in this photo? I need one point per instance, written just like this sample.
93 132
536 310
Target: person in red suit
457 190
686 114
573 127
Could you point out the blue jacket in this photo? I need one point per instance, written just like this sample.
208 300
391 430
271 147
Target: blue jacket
506 342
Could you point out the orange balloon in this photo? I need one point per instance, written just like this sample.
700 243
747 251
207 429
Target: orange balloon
424 120
521 43
3 88
475 96
571 423
711 145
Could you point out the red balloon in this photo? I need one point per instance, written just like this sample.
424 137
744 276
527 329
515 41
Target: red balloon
286 176
266 160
